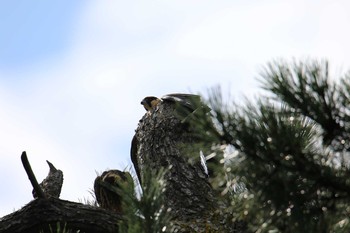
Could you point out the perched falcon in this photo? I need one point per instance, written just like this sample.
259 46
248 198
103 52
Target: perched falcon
189 101
109 188
185 105
52 184
150 102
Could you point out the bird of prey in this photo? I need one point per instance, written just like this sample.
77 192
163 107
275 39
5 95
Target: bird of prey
188 101
150 103
109 188
52 184
186 105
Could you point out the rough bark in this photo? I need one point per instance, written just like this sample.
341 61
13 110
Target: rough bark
164 140
40 213
46 212
161 141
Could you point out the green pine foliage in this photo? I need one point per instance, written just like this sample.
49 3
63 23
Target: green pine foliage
280 164
60 229
290 149
146 213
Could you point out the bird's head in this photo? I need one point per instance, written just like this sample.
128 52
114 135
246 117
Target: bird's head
150 102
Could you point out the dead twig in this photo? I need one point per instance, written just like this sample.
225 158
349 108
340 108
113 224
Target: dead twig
31 176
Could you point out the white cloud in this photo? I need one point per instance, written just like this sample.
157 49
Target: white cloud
19 133
252 33
79 109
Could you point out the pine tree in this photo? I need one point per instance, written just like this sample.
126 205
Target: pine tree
286 162
277 164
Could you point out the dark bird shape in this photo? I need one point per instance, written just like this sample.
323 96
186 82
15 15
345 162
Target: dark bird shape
187 107
134 160
109 188
52 184
150 103
189 101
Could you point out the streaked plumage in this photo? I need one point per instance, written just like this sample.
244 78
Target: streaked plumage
150 103
185 105
108 188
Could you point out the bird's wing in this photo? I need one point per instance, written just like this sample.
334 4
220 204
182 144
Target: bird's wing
133 154
189 101
97 189
183 95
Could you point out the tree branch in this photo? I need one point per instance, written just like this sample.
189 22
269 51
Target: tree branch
43 213
31 176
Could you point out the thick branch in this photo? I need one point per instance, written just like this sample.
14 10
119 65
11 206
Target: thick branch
166 140
40 213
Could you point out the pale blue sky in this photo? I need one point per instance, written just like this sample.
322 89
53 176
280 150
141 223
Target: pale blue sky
72 73
32 31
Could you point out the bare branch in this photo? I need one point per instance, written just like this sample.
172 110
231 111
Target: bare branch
31 176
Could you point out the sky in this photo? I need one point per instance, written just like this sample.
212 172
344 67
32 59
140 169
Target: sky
73 73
